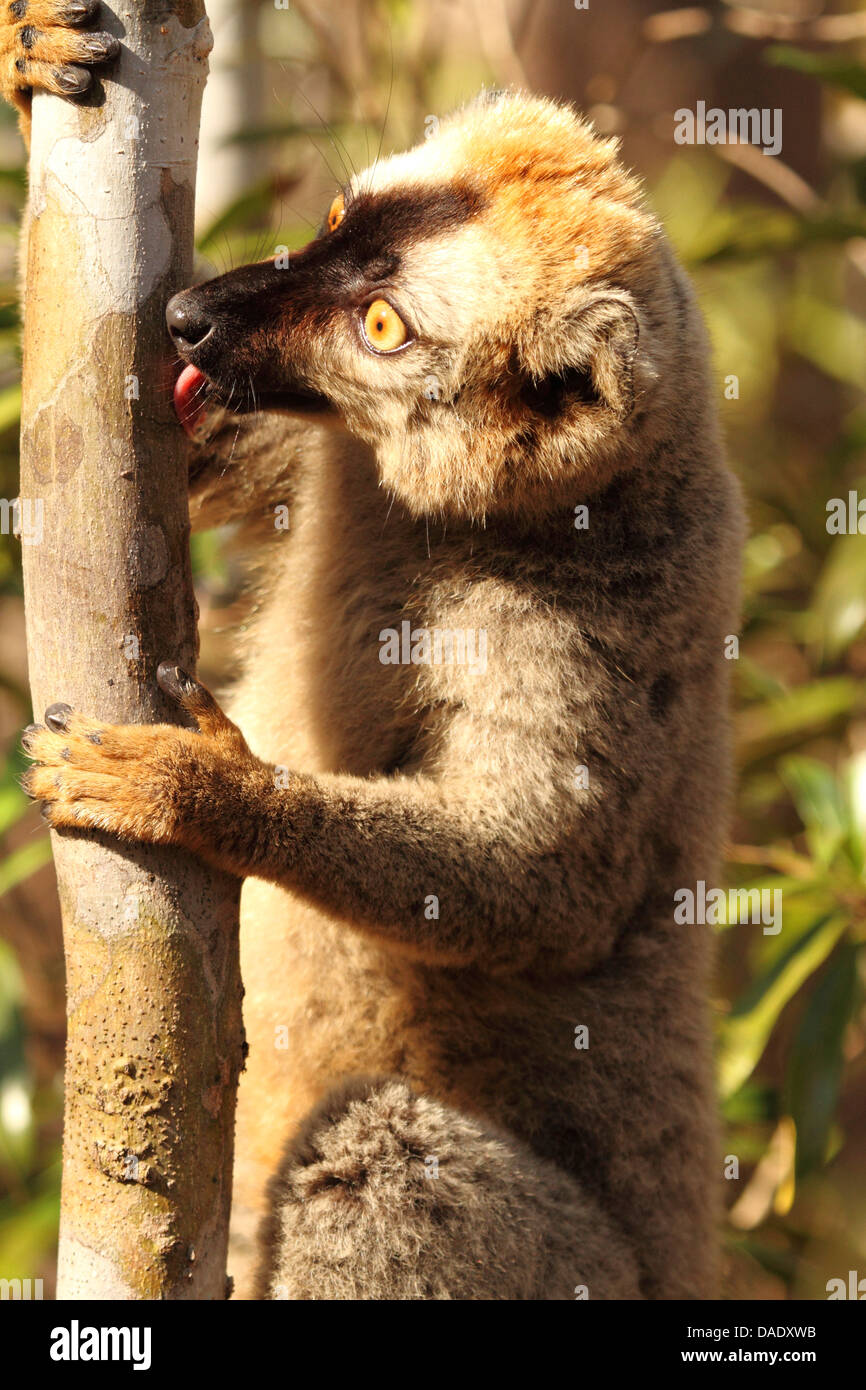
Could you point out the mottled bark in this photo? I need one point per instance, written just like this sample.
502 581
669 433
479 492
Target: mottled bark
154 1025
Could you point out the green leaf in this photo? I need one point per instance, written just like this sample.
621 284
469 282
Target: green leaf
834 68
816 1061
10 407
838 608
13 801
253 209
753 1103
775 1260
208 557
827 335
13 178
743 1035
751 232
755 682
10 318
28 1232
253 204
23 862
814 705
820 805
856 788
16 1115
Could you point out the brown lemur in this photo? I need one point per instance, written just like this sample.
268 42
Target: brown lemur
479 1049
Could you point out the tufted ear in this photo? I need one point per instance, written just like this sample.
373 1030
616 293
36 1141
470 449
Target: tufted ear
585 357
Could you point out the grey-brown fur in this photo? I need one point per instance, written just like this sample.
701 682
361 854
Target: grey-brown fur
425 1202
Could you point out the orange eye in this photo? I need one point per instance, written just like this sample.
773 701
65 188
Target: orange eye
336 212
384 327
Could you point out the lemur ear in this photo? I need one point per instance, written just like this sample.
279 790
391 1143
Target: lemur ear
586 356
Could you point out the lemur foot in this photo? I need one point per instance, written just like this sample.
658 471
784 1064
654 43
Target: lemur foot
43 46
142 782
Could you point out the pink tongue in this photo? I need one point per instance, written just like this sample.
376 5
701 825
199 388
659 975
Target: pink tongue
190 400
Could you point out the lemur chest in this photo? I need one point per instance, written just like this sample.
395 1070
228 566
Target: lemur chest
373 623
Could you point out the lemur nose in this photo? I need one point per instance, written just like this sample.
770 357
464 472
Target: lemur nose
187 323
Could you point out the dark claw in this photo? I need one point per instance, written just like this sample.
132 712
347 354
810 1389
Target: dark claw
72 80
78 11
57 718
174 681
102 47
28 734
45 811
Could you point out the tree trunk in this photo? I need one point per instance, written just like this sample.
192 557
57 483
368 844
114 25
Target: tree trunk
154 1026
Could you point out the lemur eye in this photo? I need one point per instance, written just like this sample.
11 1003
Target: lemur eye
336 212
384 327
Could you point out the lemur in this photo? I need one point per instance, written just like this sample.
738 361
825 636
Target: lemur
479 1059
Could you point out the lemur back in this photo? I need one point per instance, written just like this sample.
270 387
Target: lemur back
484 708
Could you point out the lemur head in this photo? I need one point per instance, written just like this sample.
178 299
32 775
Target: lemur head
482 310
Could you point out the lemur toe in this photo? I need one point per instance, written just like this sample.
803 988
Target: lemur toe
28 735
69 81
175 681
198 702
78 11
57 718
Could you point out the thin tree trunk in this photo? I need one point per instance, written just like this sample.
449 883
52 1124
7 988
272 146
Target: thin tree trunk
154 1028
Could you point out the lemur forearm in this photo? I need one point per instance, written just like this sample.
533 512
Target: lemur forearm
418 863
495 869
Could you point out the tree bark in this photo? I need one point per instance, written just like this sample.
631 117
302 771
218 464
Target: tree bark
155 1037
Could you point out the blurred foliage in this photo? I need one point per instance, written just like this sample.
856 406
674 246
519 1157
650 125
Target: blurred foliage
778 283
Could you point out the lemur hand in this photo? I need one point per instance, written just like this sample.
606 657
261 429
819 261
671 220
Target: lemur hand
153 783
43 46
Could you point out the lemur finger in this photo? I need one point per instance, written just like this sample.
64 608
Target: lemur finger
61 82
72 12
44 13
69 785
29 734
67 737
57 717
62 47
197 700
44 48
